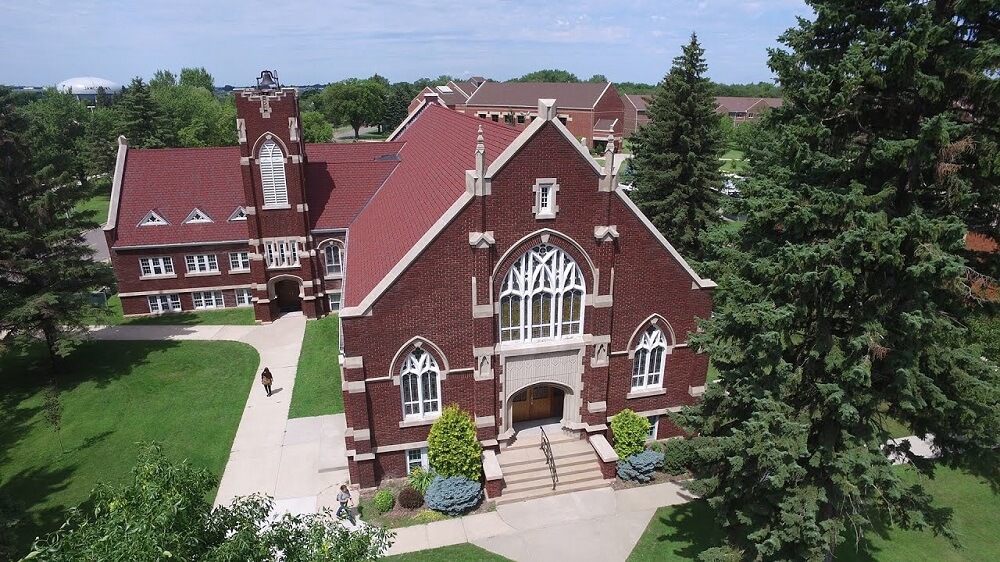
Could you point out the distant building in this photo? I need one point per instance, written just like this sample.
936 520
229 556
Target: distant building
87 88
451 95
635 112
745 109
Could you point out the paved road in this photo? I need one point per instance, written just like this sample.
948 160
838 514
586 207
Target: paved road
95 239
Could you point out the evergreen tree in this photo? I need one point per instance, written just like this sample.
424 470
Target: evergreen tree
677 154
46 271
841 300
142 120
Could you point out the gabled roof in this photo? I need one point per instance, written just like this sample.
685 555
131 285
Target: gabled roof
605 125
342 178
438 147
569 95
742 105
639 102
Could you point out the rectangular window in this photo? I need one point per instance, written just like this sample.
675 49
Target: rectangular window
544 200
417 458
654 422
156 266
563 120
239 261
164 303
545 190
208 299
520 119
202 263
281 253
495 117
334 260
244 297
334 301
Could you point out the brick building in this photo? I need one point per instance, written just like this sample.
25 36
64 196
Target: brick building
451 95
495 267
635 112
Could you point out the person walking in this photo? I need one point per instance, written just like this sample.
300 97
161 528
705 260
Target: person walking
344 497
266 379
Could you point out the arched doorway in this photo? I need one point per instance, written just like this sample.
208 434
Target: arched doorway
537 402
286 293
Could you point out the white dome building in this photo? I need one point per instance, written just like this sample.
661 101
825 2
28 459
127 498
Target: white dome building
85 87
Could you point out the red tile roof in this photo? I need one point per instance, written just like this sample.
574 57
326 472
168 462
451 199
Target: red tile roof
172 182
605 125
568 95
439 147
341 179
638 101
742 105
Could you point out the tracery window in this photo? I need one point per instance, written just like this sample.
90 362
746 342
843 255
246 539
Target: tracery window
648 362
421 385
542 296
272 174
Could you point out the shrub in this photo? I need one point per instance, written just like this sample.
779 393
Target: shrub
452 447
384 500
629 430
453 495
676 456
410 498
640 468
420 479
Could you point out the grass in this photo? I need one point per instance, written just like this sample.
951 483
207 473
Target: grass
681 532
733 155
113 396
317 380
455 553
222 316
99 204
733 161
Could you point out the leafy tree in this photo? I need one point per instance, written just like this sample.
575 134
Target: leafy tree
100 141
398 105
452 447
598 79
677 154
552 75
842 298
163 514
635 88
728 129
197 78
316 127
45 265
55 138
758 90
354 102
162 79
629 430
142 120
197 116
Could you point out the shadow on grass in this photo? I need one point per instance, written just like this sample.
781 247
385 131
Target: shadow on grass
30 487
692 527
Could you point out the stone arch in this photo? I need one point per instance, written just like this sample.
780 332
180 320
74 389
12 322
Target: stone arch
265 136
653 320
285 277
543 236
422 343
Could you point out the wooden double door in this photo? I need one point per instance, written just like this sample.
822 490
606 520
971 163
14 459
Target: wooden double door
537 403
286 292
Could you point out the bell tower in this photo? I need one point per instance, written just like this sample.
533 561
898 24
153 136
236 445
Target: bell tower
272 158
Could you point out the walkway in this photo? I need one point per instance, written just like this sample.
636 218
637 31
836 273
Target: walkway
601 524
270 454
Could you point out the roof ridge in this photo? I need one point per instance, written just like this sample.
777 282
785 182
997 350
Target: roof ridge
486 122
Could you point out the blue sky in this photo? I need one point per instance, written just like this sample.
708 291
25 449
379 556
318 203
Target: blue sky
321 41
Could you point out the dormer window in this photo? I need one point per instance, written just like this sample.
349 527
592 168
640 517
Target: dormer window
240 214
197 216
152 218
272 175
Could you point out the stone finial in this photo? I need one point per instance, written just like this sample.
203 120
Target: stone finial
480 156
609 156
122 141
547 109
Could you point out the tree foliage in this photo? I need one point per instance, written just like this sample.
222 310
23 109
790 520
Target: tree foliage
841 299
548 75
142 121
677 153
46 267
316 127
197 78
354 102
629 430
163 513
452 447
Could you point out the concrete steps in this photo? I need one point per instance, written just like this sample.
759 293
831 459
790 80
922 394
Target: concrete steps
527 475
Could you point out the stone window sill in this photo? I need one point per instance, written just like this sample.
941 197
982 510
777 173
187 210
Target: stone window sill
233 271
645 393
275 207
166 276
418 422
203 273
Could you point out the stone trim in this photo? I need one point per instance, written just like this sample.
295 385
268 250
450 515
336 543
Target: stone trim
486 421
419 423
481 239
696 391
595 407
356 362
355 387
179 245
645 393
362 435
186 290
602 233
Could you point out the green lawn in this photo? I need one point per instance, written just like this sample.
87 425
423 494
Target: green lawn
227 316
99 204
114 396
733 155
456 553
681 532
317 380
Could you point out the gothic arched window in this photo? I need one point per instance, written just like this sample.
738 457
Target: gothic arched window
542 296
272 174
421 385
649 359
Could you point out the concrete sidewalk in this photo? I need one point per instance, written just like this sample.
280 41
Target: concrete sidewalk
270 454
601 525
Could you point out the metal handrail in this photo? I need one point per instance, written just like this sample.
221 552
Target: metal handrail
549 459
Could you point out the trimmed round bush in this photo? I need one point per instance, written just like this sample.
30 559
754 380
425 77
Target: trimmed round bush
640 468
384 500
629 430
676 456
452 447
410 498
453 495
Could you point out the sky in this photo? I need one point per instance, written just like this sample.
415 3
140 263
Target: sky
321 41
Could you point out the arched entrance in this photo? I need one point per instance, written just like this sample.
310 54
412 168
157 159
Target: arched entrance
286 293
537 402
